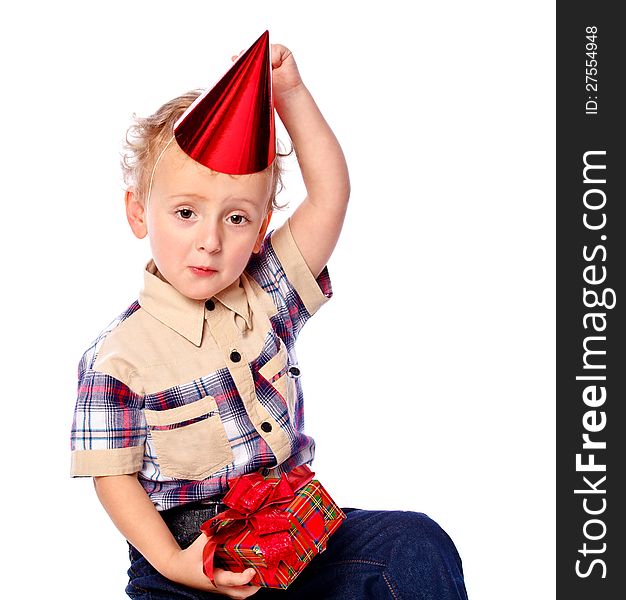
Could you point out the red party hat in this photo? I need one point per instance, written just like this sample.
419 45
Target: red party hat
230 128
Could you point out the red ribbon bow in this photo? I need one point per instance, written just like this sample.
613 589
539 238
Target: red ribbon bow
252 500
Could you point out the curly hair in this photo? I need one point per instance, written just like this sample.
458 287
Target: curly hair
148 136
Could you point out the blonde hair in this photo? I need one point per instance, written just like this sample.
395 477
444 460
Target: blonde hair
147 138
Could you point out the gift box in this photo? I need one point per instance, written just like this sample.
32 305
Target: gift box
274 525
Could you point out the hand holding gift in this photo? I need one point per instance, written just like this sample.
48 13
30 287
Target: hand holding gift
275 525
185 567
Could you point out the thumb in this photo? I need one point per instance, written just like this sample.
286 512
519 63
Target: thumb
279 54
244 577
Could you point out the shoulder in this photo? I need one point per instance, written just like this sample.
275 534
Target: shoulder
109 352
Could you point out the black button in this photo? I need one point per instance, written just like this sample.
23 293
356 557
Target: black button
210 305
267 427
294 371
235 356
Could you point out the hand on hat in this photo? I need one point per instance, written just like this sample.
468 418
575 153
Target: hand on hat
285 75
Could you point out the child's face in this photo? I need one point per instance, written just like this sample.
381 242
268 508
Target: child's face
203 226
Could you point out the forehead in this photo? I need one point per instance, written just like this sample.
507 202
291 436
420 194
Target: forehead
178 174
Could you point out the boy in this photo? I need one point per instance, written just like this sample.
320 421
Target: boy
197 382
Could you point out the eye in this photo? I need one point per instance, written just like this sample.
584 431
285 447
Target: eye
237 219
185 213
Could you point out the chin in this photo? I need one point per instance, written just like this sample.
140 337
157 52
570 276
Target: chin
199 295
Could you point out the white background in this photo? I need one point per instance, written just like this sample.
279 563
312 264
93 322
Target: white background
429 377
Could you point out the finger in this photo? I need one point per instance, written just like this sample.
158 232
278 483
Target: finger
236 56
223 577
279 55
276 54
243 591
252 590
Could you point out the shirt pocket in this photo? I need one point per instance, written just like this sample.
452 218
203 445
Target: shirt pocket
275 372
190 441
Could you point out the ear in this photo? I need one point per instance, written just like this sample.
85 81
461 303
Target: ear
136 214
262 231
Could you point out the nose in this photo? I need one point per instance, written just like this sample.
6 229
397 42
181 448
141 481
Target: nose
209 238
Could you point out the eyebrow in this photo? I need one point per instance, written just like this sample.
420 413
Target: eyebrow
206 199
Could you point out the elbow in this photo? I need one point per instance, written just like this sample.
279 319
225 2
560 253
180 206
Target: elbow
343 192
342 197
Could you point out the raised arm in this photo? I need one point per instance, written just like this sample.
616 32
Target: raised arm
317 222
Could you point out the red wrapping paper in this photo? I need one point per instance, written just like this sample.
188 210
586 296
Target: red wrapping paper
274 525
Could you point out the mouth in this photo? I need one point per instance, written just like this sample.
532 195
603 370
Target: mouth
202 270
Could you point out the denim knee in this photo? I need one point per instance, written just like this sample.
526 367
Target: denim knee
424 552
428 534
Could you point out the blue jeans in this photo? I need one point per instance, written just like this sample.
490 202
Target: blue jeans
375 554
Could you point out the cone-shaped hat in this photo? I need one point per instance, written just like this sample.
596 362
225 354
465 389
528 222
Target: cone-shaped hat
230 128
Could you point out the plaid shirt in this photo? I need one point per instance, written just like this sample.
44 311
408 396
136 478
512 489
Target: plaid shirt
189 394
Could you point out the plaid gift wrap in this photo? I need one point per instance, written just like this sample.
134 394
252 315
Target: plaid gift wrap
274 525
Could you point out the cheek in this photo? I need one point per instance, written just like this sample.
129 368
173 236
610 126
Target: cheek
243 249
167 241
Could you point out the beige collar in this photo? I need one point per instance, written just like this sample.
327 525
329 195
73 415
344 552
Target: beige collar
185 315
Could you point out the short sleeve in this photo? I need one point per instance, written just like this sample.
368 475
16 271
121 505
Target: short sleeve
109 430
280 269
